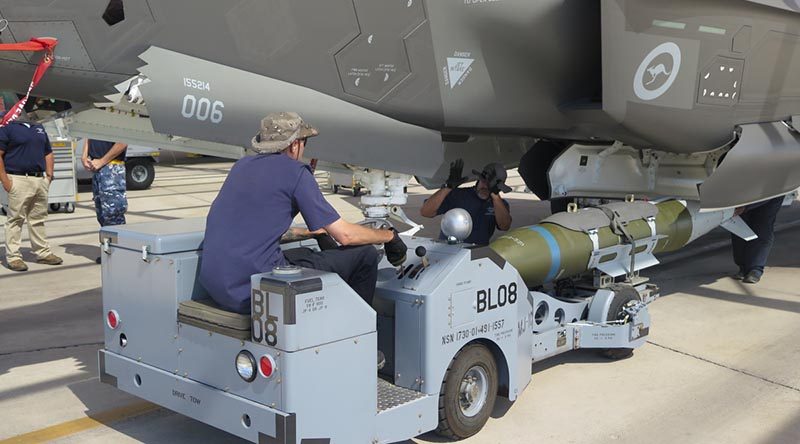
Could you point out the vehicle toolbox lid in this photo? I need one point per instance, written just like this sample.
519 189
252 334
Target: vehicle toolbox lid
163 237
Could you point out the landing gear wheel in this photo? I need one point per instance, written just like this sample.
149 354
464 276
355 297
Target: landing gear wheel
534 168
624 295
356 191
55 206
139 173
3 210
70 208
468 392
336 189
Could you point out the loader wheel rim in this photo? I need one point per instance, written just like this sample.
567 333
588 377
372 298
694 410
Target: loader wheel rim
473 391
139 173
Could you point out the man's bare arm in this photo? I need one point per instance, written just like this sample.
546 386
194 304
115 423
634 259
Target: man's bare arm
347 233
501 214
87 165
431 206
115 151
4 179
295 234
49 165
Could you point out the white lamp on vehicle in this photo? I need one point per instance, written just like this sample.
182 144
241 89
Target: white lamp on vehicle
246 366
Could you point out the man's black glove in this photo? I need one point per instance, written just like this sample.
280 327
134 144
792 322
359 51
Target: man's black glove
497 185
494 186
326 242
456 170
395 250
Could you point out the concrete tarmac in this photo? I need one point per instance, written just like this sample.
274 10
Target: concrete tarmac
721 363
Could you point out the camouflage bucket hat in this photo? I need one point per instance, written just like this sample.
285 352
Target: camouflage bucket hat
279 130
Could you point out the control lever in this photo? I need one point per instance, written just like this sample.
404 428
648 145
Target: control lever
422 252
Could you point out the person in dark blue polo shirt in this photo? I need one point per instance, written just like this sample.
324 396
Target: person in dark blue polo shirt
26 170
482 201
255 208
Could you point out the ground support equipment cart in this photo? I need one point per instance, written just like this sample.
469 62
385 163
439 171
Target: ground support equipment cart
457 326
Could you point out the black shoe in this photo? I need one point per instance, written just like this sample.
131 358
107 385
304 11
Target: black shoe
739 275
97 261
381 360
752 277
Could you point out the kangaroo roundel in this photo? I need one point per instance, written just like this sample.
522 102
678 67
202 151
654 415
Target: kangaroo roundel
657 72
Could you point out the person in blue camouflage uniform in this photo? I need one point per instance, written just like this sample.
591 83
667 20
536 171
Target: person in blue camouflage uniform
109 194
107 161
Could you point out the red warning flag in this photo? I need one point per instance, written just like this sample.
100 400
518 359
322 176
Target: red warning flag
45 44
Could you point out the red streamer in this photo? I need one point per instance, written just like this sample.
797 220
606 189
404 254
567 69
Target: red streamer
34 45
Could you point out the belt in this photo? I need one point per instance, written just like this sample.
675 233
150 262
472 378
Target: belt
34 174
117 162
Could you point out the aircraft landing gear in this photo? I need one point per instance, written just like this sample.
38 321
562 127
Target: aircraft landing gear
387 195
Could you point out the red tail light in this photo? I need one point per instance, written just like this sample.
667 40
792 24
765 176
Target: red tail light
112 319
266 366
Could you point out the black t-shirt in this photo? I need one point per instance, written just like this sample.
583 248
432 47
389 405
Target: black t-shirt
481 211
99 148
25 146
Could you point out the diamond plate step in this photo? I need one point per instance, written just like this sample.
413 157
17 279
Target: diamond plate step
391 396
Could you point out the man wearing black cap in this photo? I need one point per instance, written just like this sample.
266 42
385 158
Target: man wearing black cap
255 208
482 201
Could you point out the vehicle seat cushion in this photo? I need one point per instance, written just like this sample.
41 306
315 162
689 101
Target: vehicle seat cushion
205 313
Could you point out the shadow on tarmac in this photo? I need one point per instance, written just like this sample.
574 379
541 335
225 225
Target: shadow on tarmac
68 321
90 252
688 278
10 274
790 433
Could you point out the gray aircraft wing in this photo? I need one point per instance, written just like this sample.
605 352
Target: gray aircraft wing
208 101
789 5
409 86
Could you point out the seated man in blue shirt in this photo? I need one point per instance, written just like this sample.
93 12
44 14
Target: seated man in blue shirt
482 201
255 208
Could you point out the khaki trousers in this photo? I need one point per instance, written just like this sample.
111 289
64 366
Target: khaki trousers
27 200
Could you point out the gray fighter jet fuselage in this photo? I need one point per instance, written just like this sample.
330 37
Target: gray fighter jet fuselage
389 81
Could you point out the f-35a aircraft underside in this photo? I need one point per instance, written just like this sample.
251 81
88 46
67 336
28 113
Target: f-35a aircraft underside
695 98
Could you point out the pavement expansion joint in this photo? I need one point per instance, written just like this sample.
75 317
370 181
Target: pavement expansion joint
60 347
743 372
